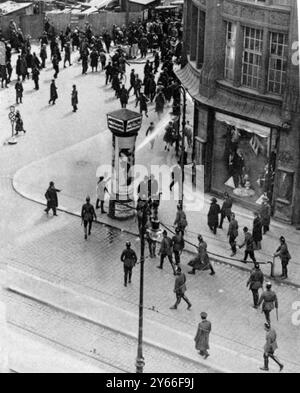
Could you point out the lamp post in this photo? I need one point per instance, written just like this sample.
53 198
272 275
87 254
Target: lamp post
154 232
182 158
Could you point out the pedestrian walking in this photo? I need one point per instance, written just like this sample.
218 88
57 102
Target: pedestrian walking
233 233
67 58
142 100
101 190
180 289
36 78
213 215
94 56
166 250
19 123
257 231
202 336
149 132
178 245
55 63
270 347
43 55
160 104
265 214
19 91
226 209
124 97
88 215
249 244
53 93
283 253
180 220
74 98
255 283
129 260
52 199
201 261
108 73
269 302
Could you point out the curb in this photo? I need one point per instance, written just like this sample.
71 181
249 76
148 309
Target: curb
214 259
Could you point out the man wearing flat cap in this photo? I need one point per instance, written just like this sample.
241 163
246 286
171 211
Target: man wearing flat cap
202 336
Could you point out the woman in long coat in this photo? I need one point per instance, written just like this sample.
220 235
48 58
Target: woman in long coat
160 104
257 231
202 336
213 216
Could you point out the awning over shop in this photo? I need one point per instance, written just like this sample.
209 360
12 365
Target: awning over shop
253 128
230 104
165 7
142 2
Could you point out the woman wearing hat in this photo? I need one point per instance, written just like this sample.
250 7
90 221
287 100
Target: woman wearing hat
213 215
202 336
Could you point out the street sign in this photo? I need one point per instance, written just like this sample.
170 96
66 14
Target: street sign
2 54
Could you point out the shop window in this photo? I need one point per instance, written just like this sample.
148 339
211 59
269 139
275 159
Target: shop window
277 62
244 159
230 50
252 58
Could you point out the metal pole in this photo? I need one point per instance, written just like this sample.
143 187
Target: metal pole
183 139
140 363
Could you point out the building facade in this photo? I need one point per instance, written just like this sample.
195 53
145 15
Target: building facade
242 72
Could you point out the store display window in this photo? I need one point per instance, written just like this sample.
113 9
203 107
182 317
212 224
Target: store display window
244 159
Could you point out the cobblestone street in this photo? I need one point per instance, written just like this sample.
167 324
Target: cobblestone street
56 251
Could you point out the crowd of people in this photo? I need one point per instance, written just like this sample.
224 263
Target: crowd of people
159 86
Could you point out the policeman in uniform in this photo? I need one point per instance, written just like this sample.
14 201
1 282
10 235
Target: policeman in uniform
129 259
88 214
255 282
269 301
180 289
270 348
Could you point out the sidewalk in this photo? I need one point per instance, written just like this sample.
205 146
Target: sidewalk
74 171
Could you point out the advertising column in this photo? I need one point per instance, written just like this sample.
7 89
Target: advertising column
124 125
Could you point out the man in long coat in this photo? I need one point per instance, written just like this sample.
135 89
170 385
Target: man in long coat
53 93
213 215
202 336
233 233
180 289
257 231
52 199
